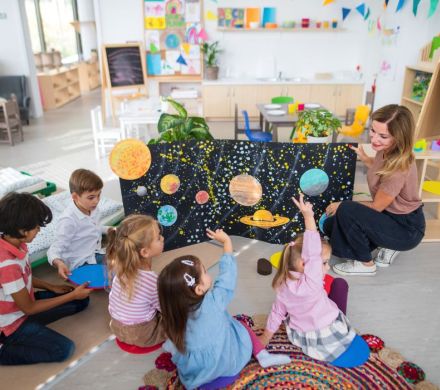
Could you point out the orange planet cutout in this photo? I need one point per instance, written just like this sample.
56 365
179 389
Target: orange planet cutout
169 184
245 190
130 159
202 197
264 219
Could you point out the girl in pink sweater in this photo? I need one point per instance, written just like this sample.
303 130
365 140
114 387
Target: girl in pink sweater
313 321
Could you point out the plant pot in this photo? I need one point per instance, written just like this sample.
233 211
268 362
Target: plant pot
211 73
319 140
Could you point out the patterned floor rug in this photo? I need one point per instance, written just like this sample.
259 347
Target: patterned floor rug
385 369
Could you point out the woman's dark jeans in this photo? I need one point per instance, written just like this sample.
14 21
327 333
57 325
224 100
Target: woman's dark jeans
33 342
356 230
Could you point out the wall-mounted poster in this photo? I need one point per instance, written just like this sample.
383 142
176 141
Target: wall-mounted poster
154 12
175 13
230 17
243 187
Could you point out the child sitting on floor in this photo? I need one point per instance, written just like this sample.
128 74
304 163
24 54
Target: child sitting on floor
204 340
79 233
134 304
313 321
24 338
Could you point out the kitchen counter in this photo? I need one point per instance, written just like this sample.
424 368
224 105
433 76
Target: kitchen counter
284 81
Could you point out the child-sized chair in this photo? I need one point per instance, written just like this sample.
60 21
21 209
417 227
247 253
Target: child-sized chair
282 100
361 116
255 135
103 137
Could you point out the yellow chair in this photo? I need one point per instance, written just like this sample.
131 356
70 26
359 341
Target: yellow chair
361 116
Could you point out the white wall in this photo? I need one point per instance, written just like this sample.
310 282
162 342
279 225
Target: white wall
254 54
86 13
16 56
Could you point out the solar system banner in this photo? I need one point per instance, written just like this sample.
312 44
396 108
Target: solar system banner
242 187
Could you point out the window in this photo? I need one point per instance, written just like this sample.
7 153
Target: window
31 13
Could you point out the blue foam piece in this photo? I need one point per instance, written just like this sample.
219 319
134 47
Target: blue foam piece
321 222
96 274
219 383
357 354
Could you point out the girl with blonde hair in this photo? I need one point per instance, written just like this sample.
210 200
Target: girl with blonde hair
393 221
313 321
134 302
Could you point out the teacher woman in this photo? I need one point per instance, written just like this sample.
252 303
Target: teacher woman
394 220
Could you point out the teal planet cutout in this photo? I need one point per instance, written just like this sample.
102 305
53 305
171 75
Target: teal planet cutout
172 41
321 222
314 182
167 215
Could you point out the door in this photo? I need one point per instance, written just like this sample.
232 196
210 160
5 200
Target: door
217 101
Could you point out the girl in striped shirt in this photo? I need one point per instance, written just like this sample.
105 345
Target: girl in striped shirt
134 303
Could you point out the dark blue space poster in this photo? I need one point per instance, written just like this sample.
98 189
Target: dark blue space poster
242 187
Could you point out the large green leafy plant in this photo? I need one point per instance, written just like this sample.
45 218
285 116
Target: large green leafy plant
317 123
180 126
210 50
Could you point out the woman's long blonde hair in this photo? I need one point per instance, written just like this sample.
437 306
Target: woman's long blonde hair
290 260
125 243
400 123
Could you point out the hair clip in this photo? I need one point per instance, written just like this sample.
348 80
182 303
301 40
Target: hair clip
190 280
291 243
188 262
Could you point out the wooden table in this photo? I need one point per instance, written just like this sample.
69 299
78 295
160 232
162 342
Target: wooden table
272 122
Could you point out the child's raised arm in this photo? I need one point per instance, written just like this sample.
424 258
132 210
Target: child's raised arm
222 237
306 209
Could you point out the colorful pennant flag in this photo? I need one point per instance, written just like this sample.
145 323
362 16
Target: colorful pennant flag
379 27
327 2
186 48
400 5
367 14
345 12
415 6
361 9
181 60
432 7
202 35
211 16
385 4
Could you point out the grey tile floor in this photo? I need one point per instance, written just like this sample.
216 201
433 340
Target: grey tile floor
399 304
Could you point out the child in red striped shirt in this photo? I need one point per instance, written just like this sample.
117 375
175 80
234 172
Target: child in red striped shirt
134 302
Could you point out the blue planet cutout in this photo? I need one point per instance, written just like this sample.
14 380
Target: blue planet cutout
314 182
167 215
172 41
321 222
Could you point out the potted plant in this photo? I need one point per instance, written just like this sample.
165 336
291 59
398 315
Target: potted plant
210 50
180 126
318 125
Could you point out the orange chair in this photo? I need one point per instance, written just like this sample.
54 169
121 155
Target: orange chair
361 116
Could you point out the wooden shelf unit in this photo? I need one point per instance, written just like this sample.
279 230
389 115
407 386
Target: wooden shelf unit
426 113
58 87
280 29
89 76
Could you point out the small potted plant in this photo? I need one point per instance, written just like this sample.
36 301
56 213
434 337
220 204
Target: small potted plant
318 125
211 50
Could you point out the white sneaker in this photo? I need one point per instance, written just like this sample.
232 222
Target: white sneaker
353 267
385 257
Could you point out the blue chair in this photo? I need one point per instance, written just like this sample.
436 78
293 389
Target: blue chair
255 135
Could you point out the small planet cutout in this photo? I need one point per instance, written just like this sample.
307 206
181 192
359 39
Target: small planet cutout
264 219
141 191
130 159
202 197
314 182
167 215
170 184
245 190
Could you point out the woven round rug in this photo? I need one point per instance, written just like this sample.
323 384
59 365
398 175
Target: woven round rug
306 373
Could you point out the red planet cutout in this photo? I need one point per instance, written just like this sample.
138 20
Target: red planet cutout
202 197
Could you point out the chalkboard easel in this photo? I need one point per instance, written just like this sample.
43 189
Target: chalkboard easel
124 69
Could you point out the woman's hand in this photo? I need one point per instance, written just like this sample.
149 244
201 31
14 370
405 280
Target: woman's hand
332 208
61 289
362 155
306 209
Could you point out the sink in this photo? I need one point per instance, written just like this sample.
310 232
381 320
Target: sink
282 79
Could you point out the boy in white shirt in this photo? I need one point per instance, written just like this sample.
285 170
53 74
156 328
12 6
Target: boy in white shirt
79 233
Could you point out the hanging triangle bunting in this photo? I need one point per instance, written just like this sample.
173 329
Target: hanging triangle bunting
327 2
153 48
181 60
345 12
432 7
186 48
202 35
367 14
385 4
415 6
379 27
400 5
361 9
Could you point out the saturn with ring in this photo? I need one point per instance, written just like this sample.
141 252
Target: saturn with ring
264 219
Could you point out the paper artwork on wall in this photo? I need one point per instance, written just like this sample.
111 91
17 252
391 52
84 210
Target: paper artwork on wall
181 60
230 17
154 15
387 69
192 11
243 187
192 66
153 64
361 9
174 13
210 16
269 15
194 52
152 40
171 57
172 38
192 33
252 16
345 12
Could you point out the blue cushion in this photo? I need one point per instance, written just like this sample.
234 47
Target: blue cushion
219 383
357 354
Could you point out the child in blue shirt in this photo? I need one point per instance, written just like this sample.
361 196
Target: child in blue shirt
205 341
